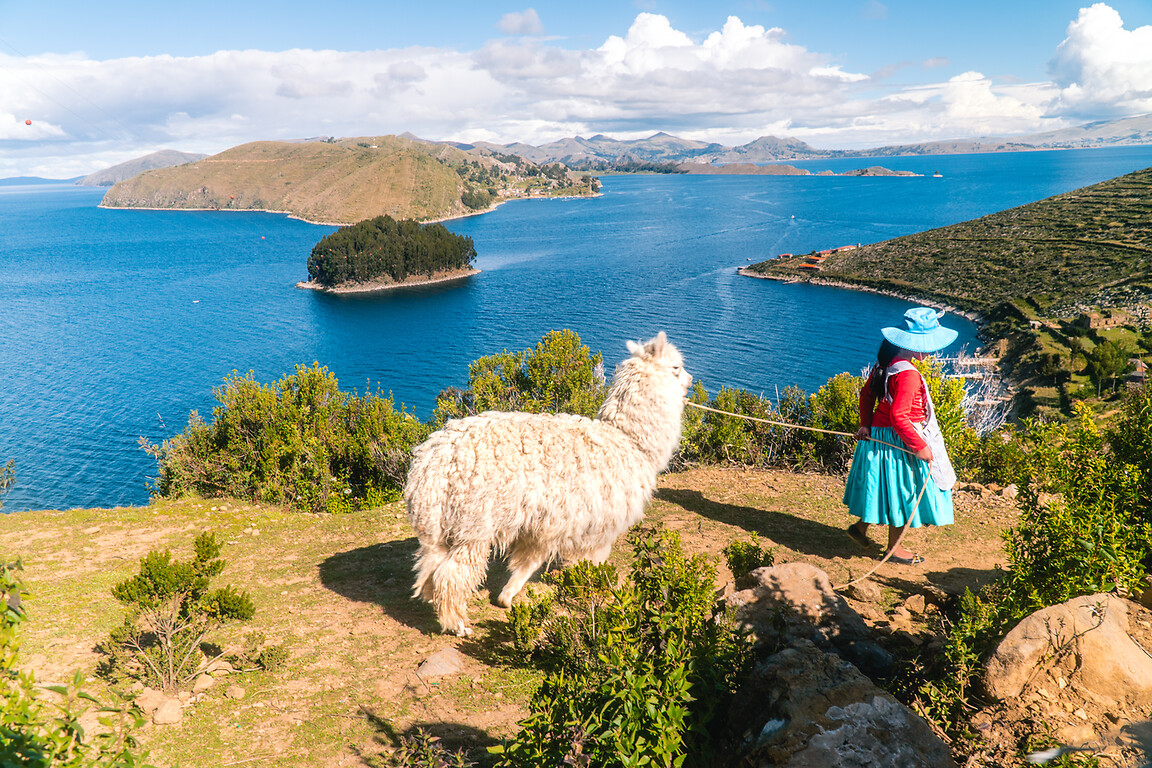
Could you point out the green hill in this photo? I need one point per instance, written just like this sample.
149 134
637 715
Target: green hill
341 181
1062 254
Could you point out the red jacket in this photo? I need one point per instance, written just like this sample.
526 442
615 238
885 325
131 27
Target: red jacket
907 406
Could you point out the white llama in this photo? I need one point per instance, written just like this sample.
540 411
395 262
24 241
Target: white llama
540 487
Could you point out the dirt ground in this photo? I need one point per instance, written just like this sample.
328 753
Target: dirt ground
335 591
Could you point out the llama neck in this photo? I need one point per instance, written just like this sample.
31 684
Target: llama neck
650 416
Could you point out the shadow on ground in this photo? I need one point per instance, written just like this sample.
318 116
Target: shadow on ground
795 533
380 574
424 739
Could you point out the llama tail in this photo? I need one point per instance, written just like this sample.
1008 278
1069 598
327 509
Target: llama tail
428 560
447 578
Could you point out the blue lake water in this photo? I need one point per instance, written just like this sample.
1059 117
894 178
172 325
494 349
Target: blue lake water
116 324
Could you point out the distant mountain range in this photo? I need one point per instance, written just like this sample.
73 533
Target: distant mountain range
665 148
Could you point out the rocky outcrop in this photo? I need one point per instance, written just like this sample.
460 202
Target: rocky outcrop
804 708
806 705
1085 640
795 601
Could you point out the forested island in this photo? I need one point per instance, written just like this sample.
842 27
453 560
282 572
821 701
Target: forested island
383 253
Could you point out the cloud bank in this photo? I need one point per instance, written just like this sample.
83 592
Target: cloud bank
730 85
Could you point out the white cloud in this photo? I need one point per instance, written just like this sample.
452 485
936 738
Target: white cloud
1101 68
524 23
732 84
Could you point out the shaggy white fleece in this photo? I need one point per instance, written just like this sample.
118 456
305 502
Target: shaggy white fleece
540 487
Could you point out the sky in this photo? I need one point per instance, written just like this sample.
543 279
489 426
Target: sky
86 85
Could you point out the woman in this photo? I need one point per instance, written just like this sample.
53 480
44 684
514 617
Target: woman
896 414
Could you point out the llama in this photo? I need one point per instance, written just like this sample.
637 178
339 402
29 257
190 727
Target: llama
540 487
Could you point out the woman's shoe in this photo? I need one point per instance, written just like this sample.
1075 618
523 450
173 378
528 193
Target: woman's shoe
914 560
859 537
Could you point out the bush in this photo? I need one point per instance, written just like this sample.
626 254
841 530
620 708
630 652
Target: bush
44 732
637 674
1084 528
746 556
171 611
560 375
300 442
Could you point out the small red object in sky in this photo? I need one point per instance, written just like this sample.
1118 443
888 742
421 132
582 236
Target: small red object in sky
27 122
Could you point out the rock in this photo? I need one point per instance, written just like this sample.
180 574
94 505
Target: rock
219 667
1091 634
865 591
804 708
448 661
802 595
915 605
203 683
149 699
1010 491
168 713
234 692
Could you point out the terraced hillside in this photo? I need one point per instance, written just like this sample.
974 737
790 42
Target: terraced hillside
1065 251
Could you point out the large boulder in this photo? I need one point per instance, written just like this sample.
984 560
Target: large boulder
804 708
795 601
1087 639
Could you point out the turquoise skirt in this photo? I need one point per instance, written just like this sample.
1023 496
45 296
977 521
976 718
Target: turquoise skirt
883 482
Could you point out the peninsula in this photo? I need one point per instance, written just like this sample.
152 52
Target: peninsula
342 181
1055 279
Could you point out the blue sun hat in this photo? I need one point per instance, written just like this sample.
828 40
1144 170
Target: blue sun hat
924 332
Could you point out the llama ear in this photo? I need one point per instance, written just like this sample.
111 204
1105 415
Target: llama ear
634 348
656 346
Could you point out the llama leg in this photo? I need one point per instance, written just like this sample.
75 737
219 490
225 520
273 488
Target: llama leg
523 561
454 581
598 556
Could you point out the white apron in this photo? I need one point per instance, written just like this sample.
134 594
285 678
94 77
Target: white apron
941 467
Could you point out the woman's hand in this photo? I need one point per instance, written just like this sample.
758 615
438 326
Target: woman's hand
925 454
863 433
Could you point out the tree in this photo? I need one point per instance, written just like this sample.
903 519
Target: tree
1107 361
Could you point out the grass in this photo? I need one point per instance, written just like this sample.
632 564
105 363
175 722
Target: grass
335 590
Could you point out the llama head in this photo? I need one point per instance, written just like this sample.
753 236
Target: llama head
659 353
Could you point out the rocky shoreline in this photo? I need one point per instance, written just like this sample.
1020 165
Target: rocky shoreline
380 285
975 317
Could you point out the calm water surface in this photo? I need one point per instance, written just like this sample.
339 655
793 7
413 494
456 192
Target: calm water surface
118 323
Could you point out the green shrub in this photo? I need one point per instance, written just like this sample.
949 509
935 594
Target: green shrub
171 611
1084 528
300 442
746 556
1083 524
45 732
836 407
560 375
638 674
423 750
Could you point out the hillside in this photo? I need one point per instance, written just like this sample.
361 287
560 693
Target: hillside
339 181
335 591
1063 253
165 158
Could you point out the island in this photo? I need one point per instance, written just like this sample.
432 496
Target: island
383 253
